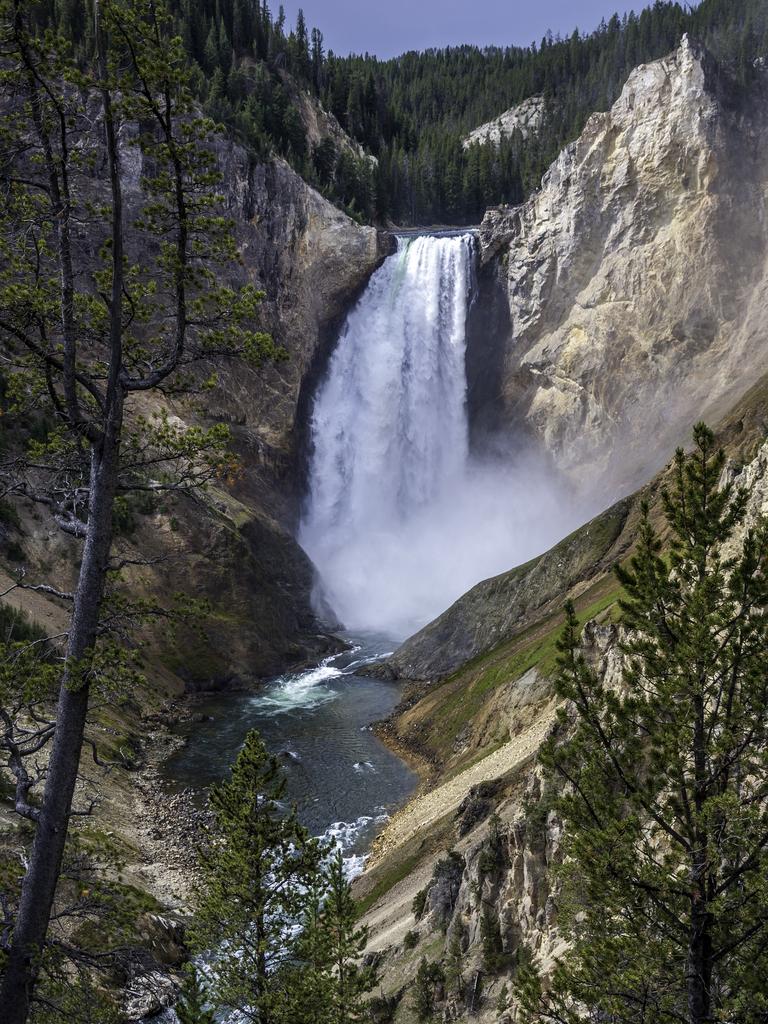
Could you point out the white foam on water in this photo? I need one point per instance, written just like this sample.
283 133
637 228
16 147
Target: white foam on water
345 835
367 661
297 691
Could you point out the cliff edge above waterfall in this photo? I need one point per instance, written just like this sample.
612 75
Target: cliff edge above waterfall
636 276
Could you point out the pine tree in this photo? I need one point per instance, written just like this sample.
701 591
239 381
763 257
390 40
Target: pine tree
502 1000
243 35
211 50
306 983
256 870
666 777
318 60
454 972
492 942
224 47
192 1007
324 159
74 355
302 61
346 942
428 988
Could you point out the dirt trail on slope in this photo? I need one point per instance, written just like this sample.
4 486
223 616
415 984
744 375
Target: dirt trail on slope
422 812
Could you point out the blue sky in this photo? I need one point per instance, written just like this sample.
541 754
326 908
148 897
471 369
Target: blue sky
389 27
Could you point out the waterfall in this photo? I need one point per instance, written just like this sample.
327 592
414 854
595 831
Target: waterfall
389 427
399 519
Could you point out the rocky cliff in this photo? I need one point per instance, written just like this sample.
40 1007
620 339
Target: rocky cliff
636 276
526 118
496 609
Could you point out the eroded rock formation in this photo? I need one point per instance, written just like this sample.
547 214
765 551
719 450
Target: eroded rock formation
526 118
636 276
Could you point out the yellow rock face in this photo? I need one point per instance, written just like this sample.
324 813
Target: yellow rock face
636 276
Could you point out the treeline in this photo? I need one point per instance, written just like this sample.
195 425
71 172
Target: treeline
412 113
250 71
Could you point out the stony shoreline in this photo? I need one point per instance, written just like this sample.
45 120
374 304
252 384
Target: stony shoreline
165 825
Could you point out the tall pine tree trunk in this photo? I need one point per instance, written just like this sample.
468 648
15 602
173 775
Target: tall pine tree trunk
40 881
698 967
699 964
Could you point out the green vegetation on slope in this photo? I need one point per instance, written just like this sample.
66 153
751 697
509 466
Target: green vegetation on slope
459 700
664 813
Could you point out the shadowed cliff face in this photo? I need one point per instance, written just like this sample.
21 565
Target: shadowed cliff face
498 608
636 277
311 261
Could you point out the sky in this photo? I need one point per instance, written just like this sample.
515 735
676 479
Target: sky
390 27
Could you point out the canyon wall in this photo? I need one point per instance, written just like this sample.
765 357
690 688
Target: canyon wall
636 304
636 276
234 545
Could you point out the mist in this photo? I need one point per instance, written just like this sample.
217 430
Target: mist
396 577
401 519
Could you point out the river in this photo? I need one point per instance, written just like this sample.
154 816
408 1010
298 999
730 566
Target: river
344 781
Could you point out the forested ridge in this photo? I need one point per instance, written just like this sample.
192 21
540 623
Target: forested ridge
412 112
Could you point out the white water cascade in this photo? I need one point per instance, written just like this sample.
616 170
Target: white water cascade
400 519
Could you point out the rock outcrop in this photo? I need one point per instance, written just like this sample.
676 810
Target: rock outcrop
526 118
637 276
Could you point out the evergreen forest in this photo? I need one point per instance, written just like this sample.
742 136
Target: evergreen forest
252 72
